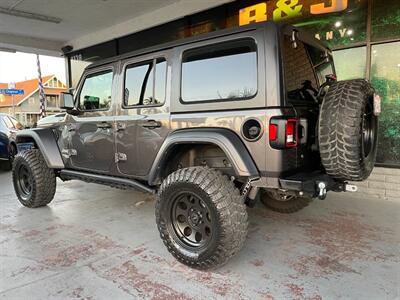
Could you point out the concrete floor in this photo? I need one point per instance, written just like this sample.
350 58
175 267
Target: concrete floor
95 242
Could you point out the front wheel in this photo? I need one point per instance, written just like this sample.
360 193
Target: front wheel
201 217
34 182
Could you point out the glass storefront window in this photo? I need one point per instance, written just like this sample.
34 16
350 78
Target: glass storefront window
356 69
335 23
385 77
385 20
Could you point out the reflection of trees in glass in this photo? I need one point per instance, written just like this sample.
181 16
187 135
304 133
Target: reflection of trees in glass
354 18
389 120
244 93
385 19
353 70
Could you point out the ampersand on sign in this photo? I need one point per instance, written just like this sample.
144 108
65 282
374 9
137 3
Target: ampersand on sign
287 9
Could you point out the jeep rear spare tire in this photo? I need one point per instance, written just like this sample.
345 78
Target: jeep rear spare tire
201 217
348 130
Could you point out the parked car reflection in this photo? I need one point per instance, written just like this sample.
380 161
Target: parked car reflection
8 148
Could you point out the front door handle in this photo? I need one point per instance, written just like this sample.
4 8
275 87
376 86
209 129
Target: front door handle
151 124
104 125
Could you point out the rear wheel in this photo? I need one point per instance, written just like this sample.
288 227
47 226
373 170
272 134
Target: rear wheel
34 182
283 202
348 130
201 217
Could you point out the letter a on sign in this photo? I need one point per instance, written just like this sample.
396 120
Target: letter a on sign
337 5
253 14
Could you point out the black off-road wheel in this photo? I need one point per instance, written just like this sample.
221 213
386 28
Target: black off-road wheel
282 202
201 217
348 130
34 182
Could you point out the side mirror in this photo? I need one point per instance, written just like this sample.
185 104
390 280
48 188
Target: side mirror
66 101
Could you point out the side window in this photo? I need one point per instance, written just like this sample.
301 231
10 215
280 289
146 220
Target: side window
96 92
224 71
145 83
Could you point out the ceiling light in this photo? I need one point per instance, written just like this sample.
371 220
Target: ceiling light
28 15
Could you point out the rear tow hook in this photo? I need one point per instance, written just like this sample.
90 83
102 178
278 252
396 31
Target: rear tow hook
322 191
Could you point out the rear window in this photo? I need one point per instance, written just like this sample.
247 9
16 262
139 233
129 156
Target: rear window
305 68
220 72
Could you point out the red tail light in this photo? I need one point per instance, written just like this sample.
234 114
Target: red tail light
291 133
273 132
284 133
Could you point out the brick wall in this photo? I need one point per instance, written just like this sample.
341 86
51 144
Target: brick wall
383 183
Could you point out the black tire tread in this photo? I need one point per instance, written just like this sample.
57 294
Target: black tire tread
44 179
231 209
339 129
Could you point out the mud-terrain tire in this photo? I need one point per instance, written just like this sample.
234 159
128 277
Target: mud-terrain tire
277 202
193 195
348 130
34 183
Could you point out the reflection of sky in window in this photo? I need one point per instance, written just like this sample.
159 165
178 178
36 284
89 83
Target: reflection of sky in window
98 86
161 72
224 77
134 81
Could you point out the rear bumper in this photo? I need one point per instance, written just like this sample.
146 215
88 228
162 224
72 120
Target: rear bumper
315 184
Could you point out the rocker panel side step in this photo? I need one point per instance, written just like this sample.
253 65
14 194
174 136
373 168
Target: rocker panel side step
106 180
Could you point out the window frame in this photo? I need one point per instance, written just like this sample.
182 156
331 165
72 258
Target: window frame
239 39
137 63
87 75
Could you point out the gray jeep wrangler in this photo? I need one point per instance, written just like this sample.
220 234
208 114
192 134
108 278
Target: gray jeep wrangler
209 124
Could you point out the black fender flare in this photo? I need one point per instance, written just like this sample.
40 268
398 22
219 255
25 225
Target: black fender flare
45 142
225 139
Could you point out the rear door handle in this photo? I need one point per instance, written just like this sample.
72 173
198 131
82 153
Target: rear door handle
151 124
104 125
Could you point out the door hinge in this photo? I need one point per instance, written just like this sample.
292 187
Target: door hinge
121 126
67 153
120 157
